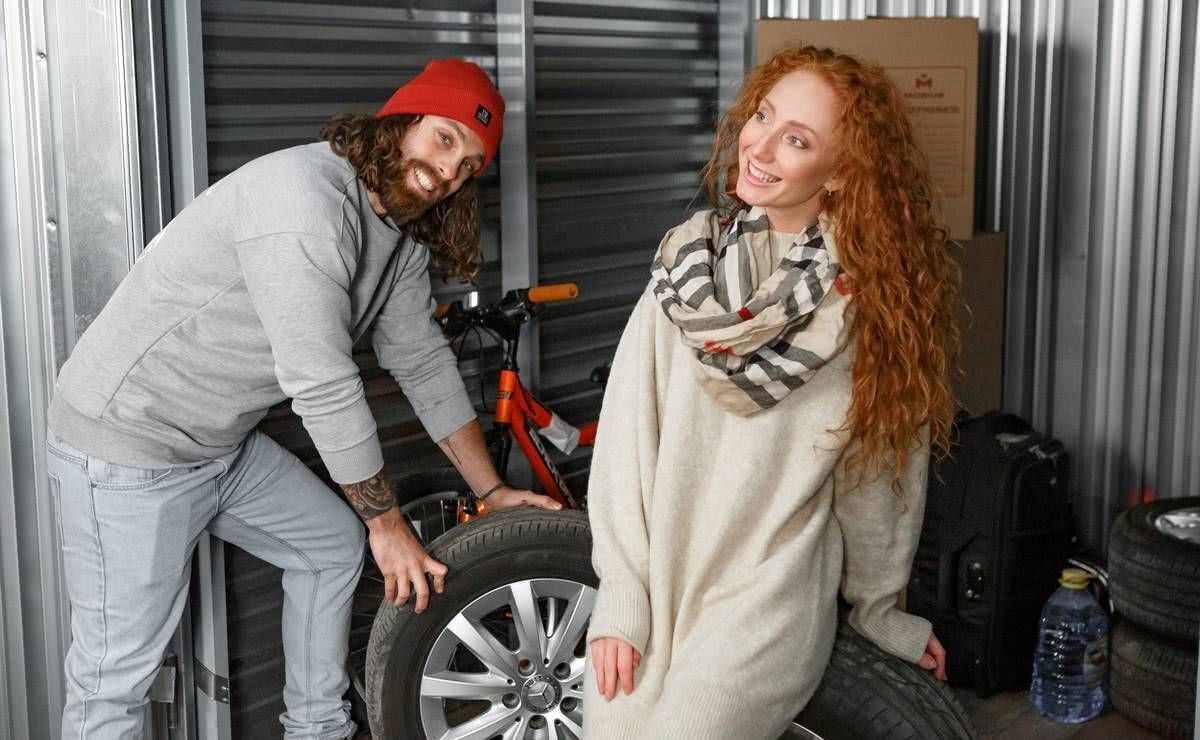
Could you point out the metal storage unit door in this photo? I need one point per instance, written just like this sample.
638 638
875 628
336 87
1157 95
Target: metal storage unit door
273 72
626 99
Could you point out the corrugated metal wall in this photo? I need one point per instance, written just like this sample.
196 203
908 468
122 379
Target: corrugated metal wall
1089 157
273 73
69 226
626 96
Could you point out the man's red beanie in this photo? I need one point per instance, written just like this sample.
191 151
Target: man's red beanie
456 89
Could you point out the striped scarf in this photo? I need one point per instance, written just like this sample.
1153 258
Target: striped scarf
757 338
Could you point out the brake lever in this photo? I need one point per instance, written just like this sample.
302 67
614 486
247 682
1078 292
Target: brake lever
517 307
455 320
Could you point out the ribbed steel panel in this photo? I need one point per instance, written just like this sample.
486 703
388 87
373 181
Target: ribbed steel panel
70 219
626 102
274 71
1089 158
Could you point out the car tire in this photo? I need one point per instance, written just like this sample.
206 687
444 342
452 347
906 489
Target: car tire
865 694
1154 576
1153 680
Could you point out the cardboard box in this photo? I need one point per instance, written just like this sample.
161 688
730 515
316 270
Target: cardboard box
983 262
935 64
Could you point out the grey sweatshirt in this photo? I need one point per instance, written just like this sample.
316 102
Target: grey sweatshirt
255 293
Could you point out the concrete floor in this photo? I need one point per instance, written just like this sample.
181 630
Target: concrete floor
1010 716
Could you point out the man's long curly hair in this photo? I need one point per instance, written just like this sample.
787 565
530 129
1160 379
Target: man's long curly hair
450 228
891 247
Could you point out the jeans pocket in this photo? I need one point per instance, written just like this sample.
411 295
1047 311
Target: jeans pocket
108 476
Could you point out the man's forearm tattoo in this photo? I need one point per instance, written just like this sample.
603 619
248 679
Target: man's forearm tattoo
452 453
371 497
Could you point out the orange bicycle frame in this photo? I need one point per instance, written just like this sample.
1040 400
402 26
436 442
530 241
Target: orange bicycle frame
515 410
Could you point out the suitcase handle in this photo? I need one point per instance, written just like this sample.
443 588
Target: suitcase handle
1004 423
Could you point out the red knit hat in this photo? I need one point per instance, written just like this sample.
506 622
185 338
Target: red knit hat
456 89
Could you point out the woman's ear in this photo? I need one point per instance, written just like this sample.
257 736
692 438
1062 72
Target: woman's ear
834 183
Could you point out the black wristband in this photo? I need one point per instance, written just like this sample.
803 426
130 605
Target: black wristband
490 491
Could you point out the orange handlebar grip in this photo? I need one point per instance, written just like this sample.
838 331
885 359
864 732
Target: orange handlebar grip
441 311
548 293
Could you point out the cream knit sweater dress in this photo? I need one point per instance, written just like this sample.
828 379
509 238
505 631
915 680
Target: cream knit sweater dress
721 542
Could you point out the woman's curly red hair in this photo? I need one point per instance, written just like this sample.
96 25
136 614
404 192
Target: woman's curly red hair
892 249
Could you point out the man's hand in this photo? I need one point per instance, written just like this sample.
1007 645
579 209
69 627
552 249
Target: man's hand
467 450
507 497
934 658
402 561
400 557
615 661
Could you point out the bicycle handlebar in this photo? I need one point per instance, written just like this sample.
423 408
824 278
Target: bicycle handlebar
550 293
505 316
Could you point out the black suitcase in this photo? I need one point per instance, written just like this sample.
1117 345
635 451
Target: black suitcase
998 531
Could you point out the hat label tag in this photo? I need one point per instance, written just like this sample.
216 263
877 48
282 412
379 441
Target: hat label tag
483 115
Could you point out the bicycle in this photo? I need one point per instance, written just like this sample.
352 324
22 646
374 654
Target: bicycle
435 501
439 500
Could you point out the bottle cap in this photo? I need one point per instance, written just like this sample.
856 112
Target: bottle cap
1075 578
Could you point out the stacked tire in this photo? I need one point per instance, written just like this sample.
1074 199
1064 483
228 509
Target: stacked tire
1154 582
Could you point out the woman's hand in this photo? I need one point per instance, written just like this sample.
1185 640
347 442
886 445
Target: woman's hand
934 658
615 661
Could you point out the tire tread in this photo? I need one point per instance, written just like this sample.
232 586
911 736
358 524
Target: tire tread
862 680
1154 580
1153 680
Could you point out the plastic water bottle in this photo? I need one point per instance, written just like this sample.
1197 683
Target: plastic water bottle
1070 665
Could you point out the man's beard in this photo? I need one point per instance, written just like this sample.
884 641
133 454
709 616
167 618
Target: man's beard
405 204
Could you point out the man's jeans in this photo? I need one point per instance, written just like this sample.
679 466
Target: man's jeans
127 537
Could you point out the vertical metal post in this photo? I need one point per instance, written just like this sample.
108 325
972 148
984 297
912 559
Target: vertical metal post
518 175
210 640
18 168
152 116
14 719
736 49
185 67
205 667
173 713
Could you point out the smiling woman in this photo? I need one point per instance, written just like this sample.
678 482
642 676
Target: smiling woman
860 170
785 164
783 378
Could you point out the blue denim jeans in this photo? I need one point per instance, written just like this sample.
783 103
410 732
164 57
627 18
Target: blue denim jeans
127 537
